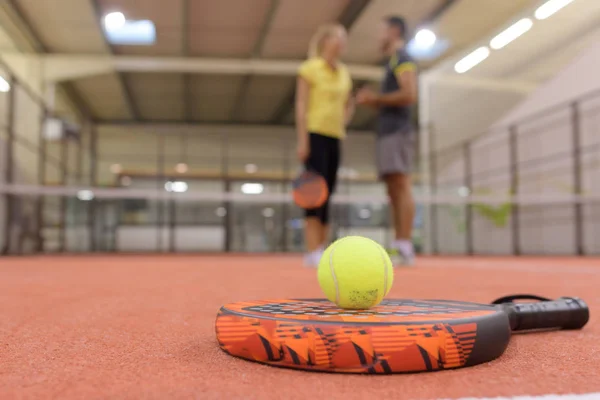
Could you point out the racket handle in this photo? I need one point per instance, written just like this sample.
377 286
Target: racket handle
563 313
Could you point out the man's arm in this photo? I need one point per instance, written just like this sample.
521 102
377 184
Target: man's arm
407 94
350 108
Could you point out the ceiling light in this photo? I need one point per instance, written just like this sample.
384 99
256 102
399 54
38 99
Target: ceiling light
116 168
364 213
513 32
472 60
181 168
551 7
221 212
132 33
251 168
268 212
252 188
425 38
4 85
176 187
85 195
464 191
114 21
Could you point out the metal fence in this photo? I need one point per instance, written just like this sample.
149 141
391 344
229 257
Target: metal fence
562 143
551 157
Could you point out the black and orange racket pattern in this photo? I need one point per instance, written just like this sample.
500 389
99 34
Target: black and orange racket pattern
395 336
309 190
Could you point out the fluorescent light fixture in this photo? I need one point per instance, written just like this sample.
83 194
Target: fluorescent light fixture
423 53
140 33
472 60
268 212
114 21
252 188
85 195
550 7
251 168
425 38
512 33
181 168
364 213
221 212
464 191
116 168
4 85
176 187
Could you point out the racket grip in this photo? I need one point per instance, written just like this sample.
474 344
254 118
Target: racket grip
563 313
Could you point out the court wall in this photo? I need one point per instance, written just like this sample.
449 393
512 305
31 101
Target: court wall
551 132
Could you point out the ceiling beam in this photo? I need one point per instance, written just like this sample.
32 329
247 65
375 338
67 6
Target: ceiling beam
28 39
62 67
155 125
129 98
347 19
256 52
437 12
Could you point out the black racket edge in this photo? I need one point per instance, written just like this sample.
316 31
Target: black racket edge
302 178
563 313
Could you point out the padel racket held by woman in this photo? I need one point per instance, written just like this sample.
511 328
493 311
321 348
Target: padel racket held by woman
309 190
395 336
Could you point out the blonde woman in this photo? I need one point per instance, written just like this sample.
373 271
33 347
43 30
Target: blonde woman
323 107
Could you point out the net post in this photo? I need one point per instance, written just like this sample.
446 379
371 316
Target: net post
64 155
93 183
160 169
433 191
514 187
577 180
10 172
41 180
79 172
80 157
469 207
172 225
285 188
227 189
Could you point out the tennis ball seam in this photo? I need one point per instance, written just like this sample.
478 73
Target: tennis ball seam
332 270
385 270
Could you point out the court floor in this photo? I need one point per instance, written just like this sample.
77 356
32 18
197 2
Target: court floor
130 326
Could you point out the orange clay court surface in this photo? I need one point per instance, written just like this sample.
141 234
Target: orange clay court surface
131 327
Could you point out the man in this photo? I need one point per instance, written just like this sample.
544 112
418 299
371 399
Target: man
396 135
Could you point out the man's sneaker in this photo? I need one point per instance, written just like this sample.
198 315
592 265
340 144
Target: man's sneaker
312 259
400 259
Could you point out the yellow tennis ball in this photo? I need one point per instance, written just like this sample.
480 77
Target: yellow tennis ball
355 273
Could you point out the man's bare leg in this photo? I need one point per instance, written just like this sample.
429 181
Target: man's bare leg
313 233
403 213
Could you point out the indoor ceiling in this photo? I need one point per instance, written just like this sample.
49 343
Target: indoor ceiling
267 30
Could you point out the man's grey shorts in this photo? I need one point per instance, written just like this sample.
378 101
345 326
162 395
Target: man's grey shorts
396 153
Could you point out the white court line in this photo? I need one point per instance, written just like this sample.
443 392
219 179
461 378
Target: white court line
514 265
586 396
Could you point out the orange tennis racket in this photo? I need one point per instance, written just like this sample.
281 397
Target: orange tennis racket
395 336
309 190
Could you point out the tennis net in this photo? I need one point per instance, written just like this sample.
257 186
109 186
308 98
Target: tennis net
254 217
